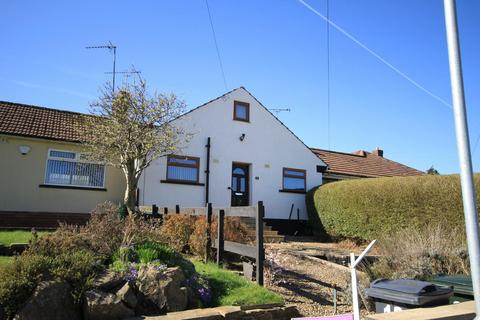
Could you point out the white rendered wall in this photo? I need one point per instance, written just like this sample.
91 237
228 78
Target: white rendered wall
268 147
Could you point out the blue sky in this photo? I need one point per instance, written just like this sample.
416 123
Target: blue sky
275 48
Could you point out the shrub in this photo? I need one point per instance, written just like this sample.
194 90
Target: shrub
104 234
176 231
74 254
421 253
19 279
372 208
234 230
154 251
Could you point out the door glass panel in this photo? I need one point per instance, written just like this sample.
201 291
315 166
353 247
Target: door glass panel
239 171
234 184
242 184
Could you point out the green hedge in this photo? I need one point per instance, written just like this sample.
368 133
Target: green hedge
371 208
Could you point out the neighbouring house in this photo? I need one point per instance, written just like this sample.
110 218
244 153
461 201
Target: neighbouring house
43 177
361 164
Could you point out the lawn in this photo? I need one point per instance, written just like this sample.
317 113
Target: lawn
18 236
229 288
5 261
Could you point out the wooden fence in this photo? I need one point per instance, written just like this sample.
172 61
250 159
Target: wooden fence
256 252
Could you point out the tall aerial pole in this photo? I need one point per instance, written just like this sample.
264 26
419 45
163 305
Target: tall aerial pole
110 46
463 147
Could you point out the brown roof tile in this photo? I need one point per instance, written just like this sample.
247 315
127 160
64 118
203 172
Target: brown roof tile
363 164
39 122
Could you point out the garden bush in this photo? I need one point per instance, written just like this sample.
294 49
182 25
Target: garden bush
152 251
176 231
74 254
19 279
234 231
372 208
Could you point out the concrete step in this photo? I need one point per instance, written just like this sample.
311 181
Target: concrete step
269 235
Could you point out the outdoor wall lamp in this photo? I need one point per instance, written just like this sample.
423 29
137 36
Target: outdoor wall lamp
242 137
24 149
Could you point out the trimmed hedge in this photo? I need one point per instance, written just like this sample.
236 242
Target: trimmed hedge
372 208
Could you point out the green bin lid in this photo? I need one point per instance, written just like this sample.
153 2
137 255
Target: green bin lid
461 284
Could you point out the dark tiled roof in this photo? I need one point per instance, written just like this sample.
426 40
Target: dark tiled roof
363 164
33 121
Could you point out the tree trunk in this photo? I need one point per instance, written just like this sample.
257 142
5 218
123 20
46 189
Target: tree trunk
131 190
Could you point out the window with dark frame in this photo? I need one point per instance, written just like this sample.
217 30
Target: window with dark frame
294 180
183 168
241 111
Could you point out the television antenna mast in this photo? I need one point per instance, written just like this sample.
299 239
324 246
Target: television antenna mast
126 74
112 48
278 110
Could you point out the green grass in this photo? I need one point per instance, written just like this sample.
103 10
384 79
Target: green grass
18 236
5 261
229 288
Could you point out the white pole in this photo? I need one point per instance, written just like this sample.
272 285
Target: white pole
463 147
356 307
353 265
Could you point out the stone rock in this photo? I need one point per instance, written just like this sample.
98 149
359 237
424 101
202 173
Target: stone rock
160 291
192 300
127 295
172 289
109 281
51 300
101 305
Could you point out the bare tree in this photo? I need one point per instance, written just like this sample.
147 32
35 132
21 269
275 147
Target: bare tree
130 128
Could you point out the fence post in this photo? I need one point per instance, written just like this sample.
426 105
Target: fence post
177 209
209 233
259 242
220 236
154 211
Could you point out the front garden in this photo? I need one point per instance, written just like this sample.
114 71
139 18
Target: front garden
115 268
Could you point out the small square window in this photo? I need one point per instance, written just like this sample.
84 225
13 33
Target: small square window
183 168
294 179
241 111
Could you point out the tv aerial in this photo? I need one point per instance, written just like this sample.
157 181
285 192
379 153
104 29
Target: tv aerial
278 110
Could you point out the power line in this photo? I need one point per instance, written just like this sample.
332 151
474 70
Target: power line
216 46
376 55
328 77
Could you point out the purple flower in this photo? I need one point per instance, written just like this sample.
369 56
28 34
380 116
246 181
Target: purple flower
205 295
131 274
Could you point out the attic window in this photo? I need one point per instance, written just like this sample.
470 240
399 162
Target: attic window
241 111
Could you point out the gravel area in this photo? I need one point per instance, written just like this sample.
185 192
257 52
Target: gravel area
307 282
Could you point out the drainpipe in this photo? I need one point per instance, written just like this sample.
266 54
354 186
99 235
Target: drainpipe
207 173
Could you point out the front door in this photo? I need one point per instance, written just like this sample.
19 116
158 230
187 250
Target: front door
240 185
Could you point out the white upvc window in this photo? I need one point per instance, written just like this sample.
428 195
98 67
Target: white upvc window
70 168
